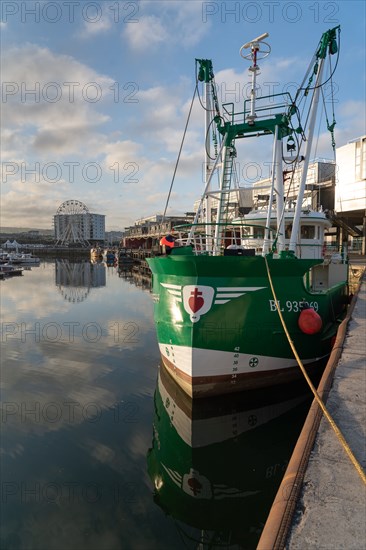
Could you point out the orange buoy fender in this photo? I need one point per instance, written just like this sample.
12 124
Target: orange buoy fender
167 241
310 321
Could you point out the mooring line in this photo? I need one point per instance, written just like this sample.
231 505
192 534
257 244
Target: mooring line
318 399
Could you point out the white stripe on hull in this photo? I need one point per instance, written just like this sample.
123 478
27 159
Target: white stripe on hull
205 362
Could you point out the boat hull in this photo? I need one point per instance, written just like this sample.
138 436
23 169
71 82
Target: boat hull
217 324
220 384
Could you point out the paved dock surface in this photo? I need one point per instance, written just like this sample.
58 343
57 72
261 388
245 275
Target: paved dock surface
331 511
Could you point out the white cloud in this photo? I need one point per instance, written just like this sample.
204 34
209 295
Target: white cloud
351 117
57 133
147 34
38 129
32 203
31 63
188 21
91 29
168 23
121 152
50 98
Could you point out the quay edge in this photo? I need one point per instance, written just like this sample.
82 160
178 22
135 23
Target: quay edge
321 502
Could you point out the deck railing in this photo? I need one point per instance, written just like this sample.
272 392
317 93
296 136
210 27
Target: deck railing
237 238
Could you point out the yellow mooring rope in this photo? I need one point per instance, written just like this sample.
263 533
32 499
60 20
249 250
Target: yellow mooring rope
315 393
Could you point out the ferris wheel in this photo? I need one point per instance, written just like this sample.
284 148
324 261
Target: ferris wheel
73 280
72 207
74 295
70 223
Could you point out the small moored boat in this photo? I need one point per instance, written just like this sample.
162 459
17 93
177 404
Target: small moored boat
9 270
23 258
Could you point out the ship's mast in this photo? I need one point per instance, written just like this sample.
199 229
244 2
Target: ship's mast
254 46
205 75
327 42
314 108
280 195
266 241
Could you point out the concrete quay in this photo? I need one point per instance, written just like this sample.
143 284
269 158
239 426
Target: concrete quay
321 503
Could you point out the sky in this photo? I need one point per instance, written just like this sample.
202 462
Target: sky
95 96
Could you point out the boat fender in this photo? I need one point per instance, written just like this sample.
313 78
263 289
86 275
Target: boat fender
168 242
310 321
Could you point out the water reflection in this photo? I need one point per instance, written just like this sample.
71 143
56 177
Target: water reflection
74 280
216 463
135 275
77 387
76 420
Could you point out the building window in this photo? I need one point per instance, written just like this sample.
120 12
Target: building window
360 159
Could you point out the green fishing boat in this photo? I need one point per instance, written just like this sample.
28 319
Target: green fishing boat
219 288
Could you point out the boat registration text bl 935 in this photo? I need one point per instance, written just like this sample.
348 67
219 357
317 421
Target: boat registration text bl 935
292 305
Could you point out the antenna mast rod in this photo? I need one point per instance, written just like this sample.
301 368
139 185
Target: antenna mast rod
254 46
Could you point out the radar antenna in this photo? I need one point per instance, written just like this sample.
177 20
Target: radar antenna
258 50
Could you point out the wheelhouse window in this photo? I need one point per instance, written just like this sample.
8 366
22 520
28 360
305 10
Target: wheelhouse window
288 230
307 232
258 232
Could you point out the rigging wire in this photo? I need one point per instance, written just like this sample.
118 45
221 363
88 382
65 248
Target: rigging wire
332 72
178 158
331 126
207 138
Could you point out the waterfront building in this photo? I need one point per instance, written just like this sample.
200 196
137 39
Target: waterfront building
74 224
147 232
350 191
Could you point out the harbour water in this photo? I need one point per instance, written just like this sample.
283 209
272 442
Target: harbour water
99 450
